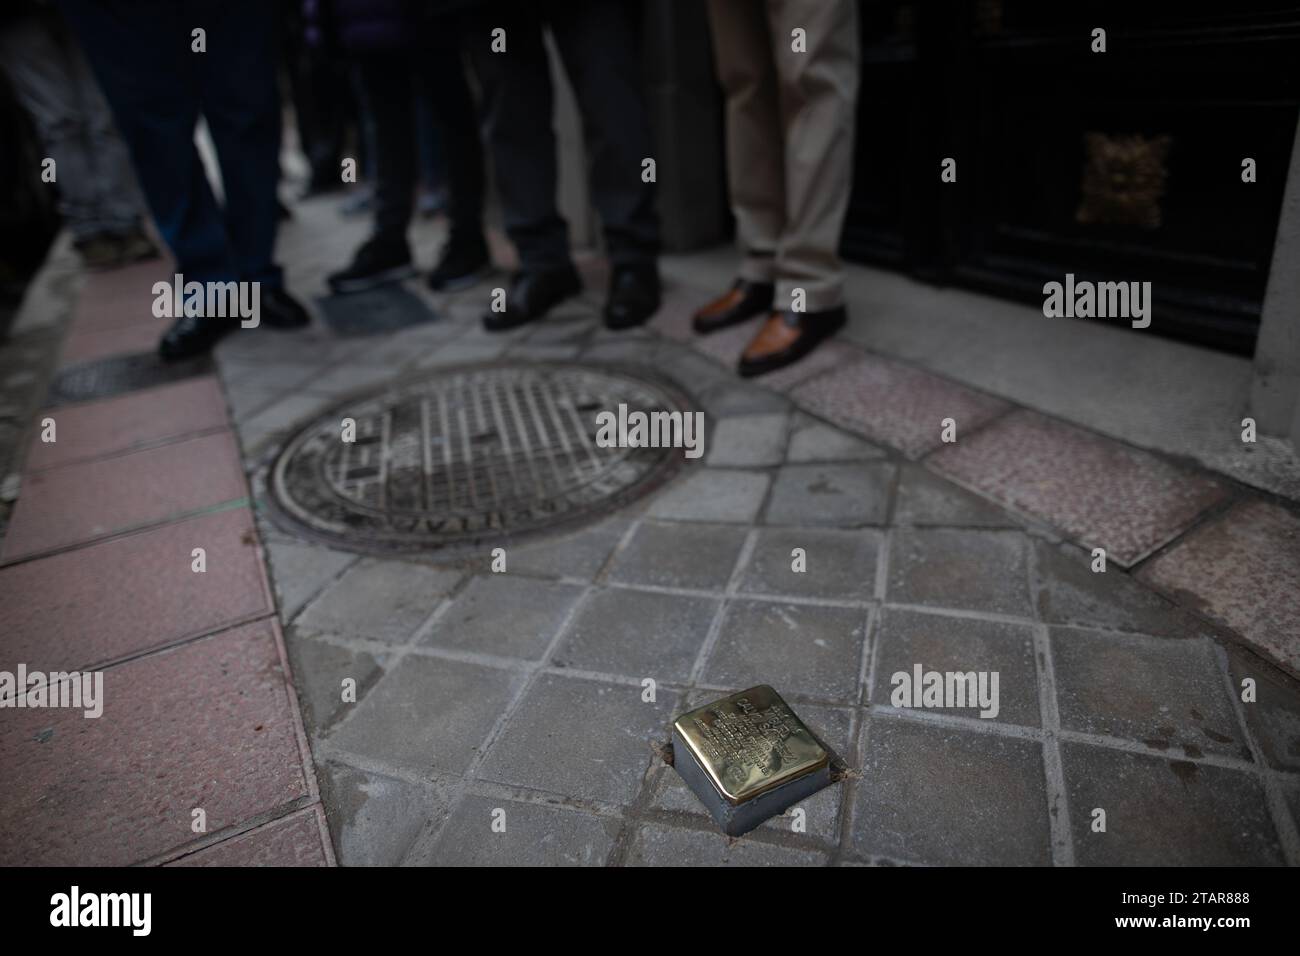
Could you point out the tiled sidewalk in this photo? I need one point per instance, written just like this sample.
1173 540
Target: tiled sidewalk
522 691
1177 525
96 574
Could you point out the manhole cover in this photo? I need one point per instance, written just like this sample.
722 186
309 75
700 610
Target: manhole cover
470 455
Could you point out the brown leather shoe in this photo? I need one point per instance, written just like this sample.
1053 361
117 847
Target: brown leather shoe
787 337
741 302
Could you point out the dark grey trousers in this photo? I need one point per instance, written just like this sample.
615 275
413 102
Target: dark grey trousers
600 50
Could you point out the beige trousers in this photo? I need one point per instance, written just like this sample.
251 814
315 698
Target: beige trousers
790 122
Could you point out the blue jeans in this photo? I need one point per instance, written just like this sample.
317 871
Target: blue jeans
158 88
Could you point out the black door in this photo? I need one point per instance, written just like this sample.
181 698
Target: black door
1122 165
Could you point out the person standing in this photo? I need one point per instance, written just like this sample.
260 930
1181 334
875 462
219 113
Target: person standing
162 64
320 88
402 50
99 200
789 70
599 47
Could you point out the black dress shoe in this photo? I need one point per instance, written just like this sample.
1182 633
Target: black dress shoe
633 296
280 310
463 263
532 295
378 261
740 303
192 335
787 337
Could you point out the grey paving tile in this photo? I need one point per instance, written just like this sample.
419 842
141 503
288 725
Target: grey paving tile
568 332
656 845
504 614
635 351
1164 812
932 794
267 375
319 670
601 335
726 396
842 495
839 565
974 570
280 418
797 648
1274 715
713 494
313 344
821 817
300 571
926 499
400 348
543 352
1244 571
244 400
534 835
349 376
383 600
428 715
579 738
814 441
679 554
373 818
748 441
1070 592
637 634
716 390
579 554
1166 693
459 352
961 645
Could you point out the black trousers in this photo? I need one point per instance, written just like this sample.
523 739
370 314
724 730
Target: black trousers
599 47
158 88
390 83
323 104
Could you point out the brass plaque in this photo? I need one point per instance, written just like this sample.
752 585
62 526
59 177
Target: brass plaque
750 742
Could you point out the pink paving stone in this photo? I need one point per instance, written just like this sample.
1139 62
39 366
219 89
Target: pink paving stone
726 345
678 306
77 503
827 356
121 424
672 323
895 404
206 725
1244 571
121 597
1098 491
294 840
119 297
93 344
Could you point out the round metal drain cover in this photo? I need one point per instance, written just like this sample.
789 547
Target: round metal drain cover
467 455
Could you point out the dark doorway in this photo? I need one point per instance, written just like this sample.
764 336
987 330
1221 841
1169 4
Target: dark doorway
1122 165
